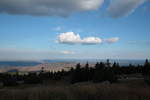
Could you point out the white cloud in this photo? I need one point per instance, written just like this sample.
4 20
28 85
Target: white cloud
48 7
67 52
91 40
111 40
73 38
69 38
120 8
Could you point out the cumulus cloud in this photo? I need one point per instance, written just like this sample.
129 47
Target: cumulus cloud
73 38
91 40
111 40
120 8
48 7
69 38
67 52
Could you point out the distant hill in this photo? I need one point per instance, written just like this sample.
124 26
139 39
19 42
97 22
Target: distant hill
83 61
12 70
122 62
19 63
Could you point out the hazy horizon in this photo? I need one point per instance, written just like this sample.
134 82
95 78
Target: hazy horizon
121 62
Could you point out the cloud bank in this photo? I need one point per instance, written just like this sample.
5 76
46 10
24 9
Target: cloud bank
48 7
117 8
73 38
120 8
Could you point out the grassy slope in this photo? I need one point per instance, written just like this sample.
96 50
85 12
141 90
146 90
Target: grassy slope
129 90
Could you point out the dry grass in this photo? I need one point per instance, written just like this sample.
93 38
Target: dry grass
83 91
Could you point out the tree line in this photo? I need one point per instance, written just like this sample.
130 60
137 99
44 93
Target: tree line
102 71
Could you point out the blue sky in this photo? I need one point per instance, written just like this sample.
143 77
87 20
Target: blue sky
104 31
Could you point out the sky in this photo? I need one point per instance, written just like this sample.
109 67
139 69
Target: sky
74 29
